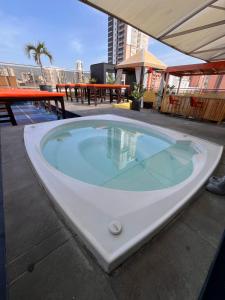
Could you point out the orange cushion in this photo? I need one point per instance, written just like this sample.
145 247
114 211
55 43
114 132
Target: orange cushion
23 93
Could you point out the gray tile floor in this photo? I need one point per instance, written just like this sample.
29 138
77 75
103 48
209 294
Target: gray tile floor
46 261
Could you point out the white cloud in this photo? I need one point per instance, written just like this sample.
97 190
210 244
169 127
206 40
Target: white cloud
11 30
76 45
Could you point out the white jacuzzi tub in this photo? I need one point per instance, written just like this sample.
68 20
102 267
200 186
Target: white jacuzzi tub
112 222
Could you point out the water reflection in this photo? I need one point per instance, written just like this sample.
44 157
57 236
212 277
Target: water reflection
118 156
121 146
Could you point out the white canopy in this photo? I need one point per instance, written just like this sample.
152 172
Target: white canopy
194 27
142 58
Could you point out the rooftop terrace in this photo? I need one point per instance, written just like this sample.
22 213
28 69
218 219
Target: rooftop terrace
45 260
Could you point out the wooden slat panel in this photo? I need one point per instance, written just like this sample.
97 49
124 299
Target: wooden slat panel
213 108
3 81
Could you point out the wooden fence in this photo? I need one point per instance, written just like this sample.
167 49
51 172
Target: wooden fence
205 107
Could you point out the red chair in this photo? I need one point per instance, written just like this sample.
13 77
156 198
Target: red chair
197 106
174 103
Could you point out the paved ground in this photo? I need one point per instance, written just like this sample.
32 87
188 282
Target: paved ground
46 261
73 106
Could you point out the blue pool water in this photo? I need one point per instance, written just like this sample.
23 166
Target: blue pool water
118 155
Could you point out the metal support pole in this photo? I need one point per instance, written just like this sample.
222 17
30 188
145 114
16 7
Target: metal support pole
179 84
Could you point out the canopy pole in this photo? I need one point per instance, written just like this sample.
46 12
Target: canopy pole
141 83
166 76
142 76
179 84
161 97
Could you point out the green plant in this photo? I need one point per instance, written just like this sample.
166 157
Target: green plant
138 92
37 51
169 89
92 80
110 79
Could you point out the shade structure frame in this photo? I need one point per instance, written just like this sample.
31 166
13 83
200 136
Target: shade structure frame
210 68
205 20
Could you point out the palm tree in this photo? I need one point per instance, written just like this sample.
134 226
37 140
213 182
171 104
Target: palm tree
37 51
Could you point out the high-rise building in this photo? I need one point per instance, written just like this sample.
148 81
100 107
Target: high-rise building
79 66
79 71
123 40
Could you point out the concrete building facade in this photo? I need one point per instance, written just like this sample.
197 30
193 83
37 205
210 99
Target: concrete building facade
211 82
123 41
79 71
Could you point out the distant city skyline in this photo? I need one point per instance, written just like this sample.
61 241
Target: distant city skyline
78 32
30 75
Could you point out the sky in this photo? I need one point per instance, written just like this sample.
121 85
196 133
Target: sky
71 30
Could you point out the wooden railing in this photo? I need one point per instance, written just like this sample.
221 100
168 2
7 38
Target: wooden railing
206 107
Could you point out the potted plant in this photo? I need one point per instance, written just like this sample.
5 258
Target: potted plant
37 51
170 89
136 96
92 80
110 78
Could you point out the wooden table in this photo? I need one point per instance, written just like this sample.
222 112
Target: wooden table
87 89
9 96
